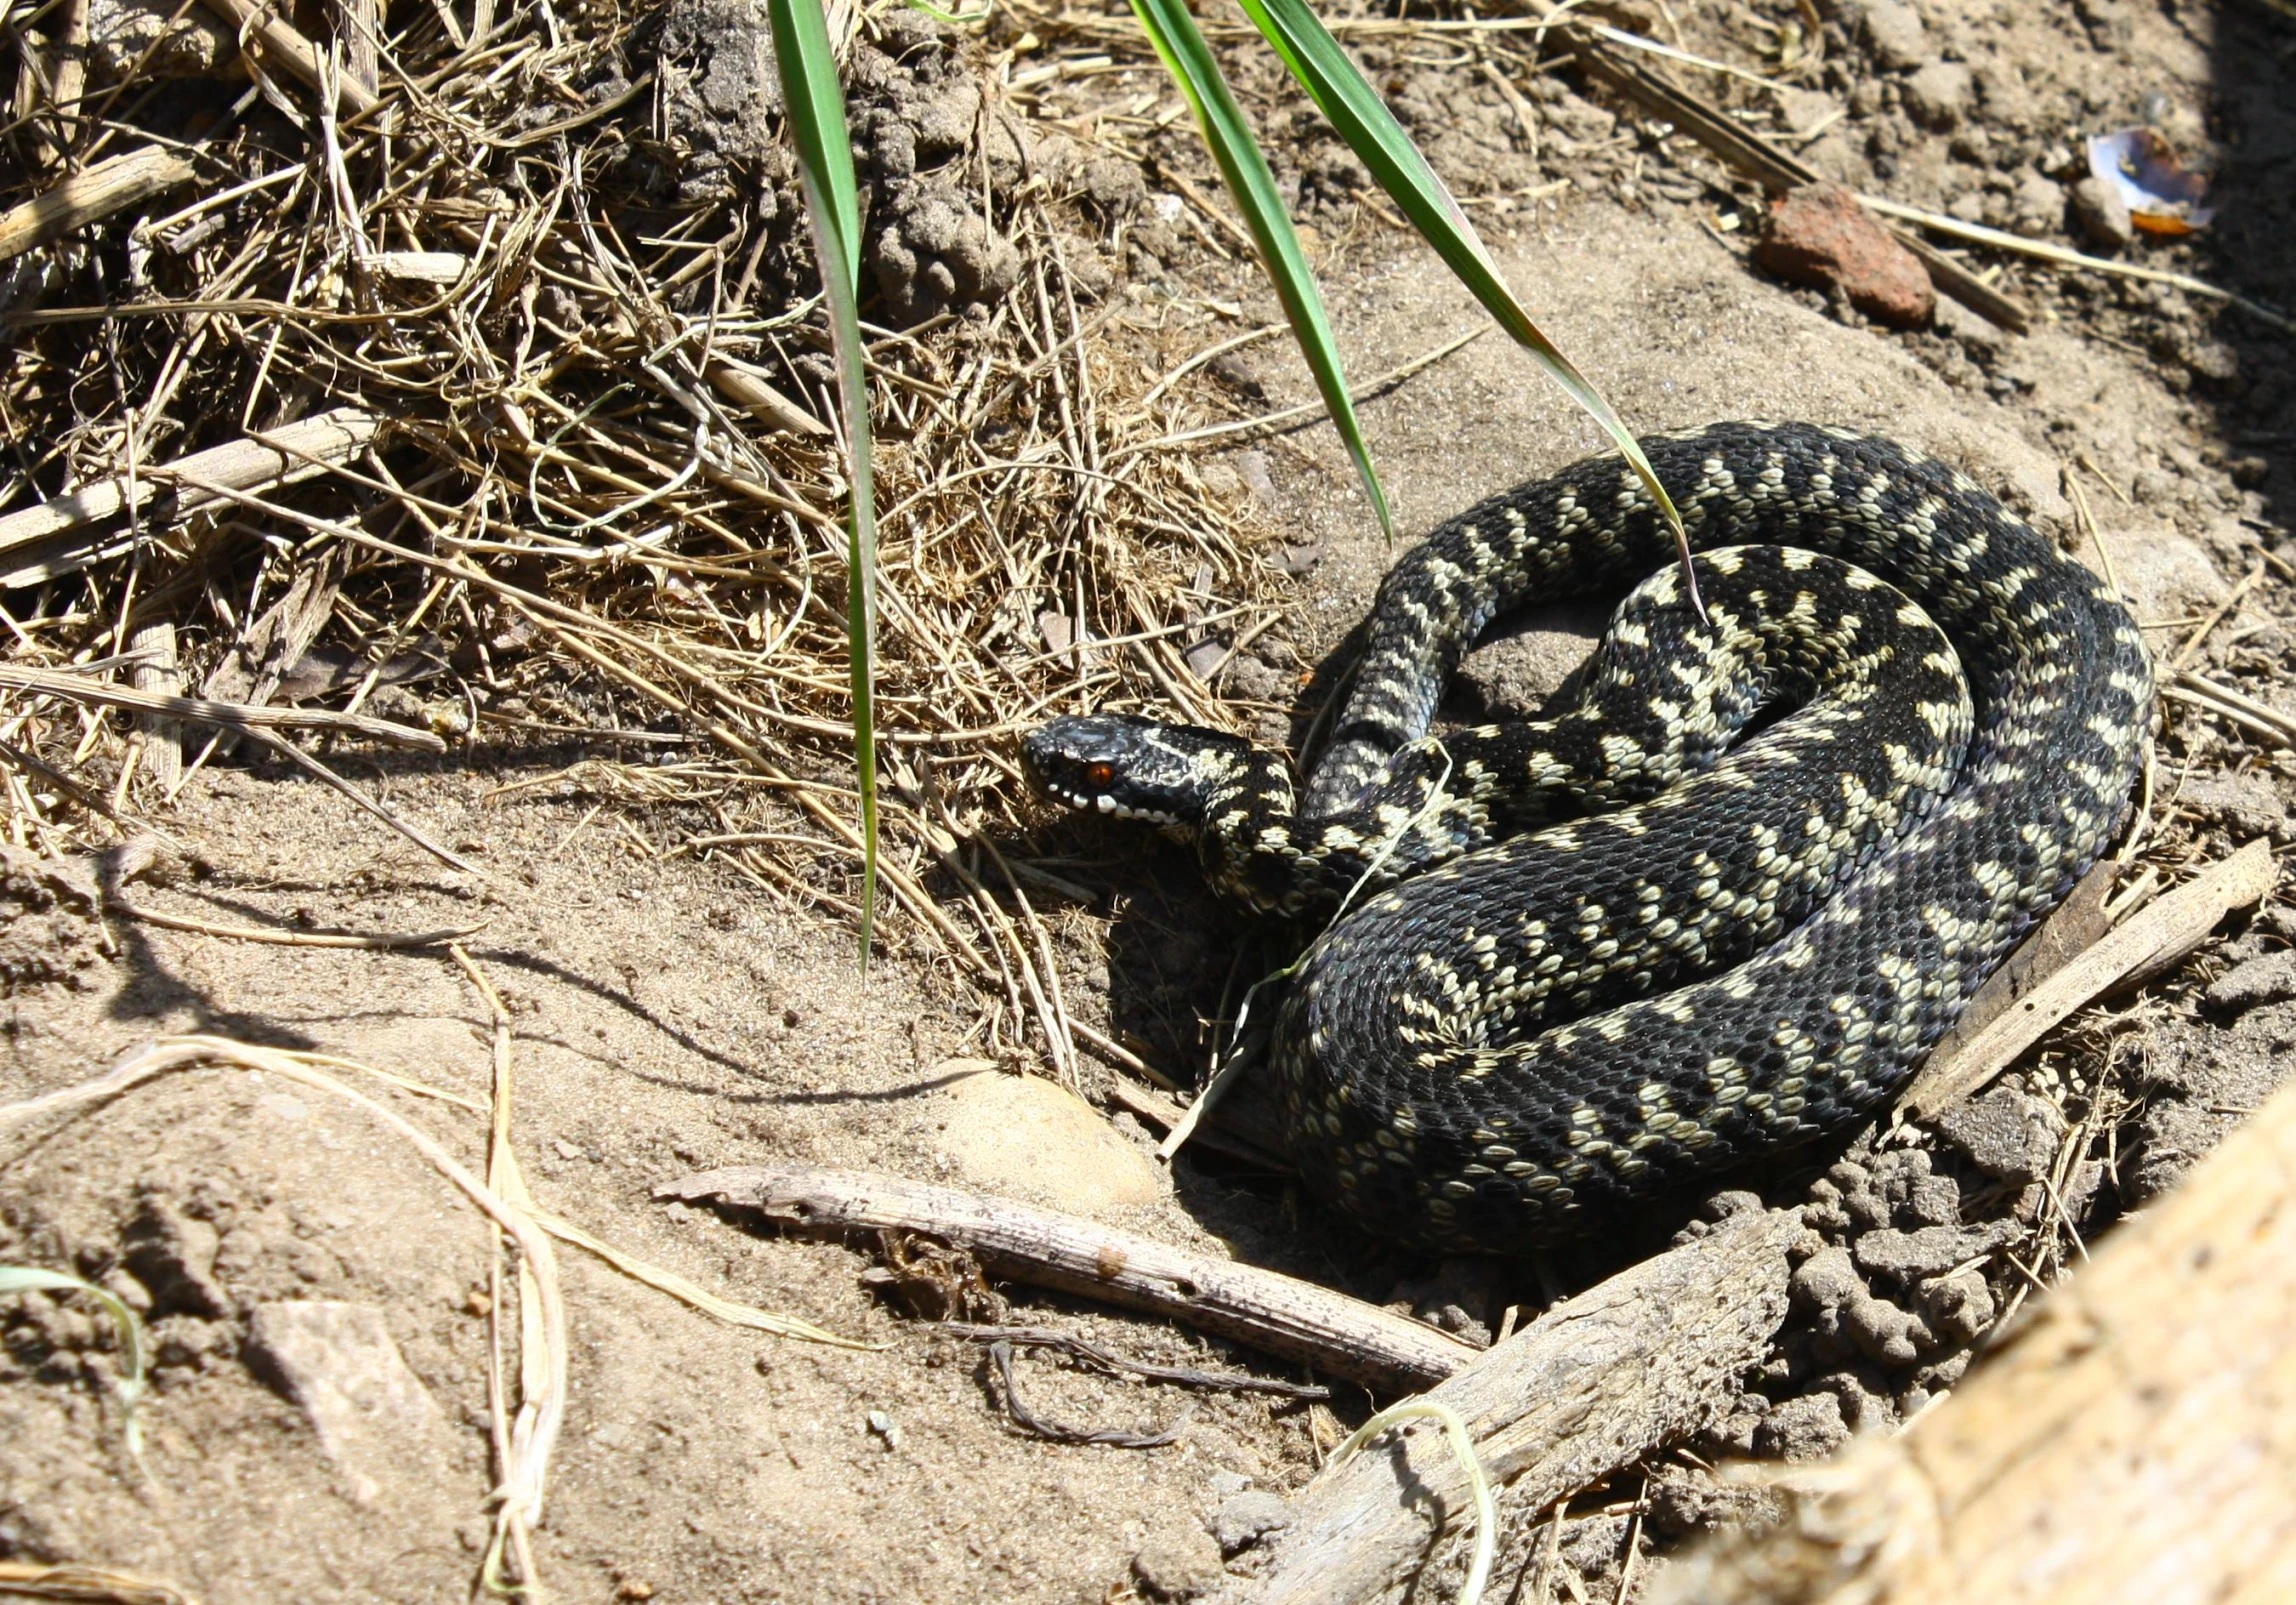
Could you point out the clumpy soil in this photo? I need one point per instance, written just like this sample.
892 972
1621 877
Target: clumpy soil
668 1017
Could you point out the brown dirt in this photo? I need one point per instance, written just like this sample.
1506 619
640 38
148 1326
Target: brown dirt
669 1016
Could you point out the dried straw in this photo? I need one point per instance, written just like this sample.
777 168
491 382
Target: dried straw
582 485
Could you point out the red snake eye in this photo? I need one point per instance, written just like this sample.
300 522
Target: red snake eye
1101 774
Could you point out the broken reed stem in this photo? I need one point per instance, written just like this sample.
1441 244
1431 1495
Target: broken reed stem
240 717
2002 239
86 197
518 1493
280 456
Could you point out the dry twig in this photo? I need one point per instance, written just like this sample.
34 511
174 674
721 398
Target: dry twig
1265 1310
2143 945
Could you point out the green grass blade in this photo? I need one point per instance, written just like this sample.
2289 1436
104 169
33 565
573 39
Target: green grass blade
1378 140
816 111
133 1364
1237 154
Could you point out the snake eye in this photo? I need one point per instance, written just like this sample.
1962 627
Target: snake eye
1101 774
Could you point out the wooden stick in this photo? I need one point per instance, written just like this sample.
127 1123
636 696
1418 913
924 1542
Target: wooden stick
2079 923
2134 1443
228 715
2003 240
1777 171
1643 1359
2261 718
280 45
1261 1309
281 456
108 187
2147 943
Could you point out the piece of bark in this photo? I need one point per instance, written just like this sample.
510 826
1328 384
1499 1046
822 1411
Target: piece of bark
281 456
157 672
276 641
87 196
2144 945
279 44
1636 1362
1260 1309
2134 1443
358 24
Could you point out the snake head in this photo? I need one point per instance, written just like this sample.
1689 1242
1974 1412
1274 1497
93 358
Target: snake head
1112 763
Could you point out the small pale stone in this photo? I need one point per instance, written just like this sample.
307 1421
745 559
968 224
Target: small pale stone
1892 28
1808 1428
1024 1136
1930 1251
1938 96
2006 1133
2101 212
1245 1518
1178 1564
374 1418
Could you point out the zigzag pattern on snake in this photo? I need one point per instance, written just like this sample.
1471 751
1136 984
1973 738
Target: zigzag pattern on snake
1529 1028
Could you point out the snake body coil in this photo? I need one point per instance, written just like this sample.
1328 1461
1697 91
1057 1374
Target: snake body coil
1529 1028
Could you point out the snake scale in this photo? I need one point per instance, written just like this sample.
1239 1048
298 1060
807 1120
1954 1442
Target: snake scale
1721 910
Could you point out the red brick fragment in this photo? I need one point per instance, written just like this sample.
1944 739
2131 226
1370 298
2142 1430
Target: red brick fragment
1819 235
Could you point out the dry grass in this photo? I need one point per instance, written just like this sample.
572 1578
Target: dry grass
569 491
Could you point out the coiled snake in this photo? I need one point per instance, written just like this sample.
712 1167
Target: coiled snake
1522 1029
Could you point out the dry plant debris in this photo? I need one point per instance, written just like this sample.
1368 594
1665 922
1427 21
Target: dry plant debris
482 401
